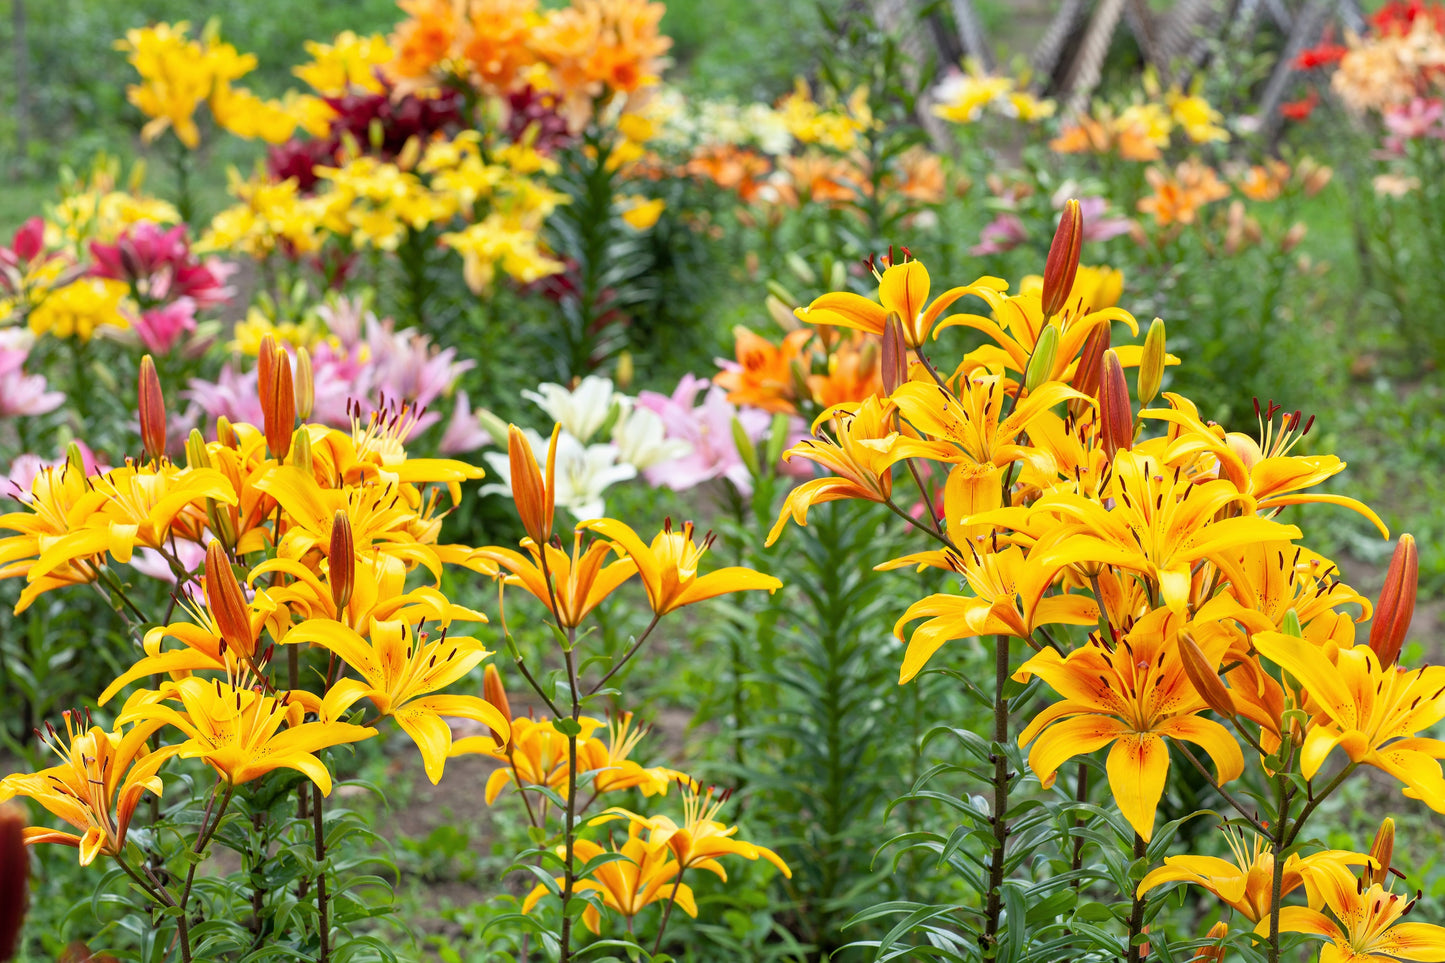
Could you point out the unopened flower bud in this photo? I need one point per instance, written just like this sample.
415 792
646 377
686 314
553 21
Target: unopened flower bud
625 370
1316 180
14 879
1382 851
1203 676
75 458
152 406
266 369
1091 360
342 559
218 519
747 451
1041 363
777 439
801 269
1396 606
533 496
226 434
227 602
1215 953
895 353
1292 237
781 314
1151 363
278 407
781 293
496 694
1291 625
197 455
1063 262
305 385
1253 233
300 454
1116 417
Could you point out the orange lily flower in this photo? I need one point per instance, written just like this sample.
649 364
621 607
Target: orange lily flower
647 875
96 788
1134 697
668 567
764 373
1370 710
1006 601
1366 927
1160 526
903 290
1247 883
399 674
1283 578
580 580
238 731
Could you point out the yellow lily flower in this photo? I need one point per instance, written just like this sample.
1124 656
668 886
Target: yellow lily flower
972 419
627 886
1267 476
399 672
130 506
903 290
1134 696
1366 927
381 521
238 731
1007 600
700 839
668 567
1160 526
1283 578
55 507
95 788
1371 711
868 445
580 580
1247 883
378 594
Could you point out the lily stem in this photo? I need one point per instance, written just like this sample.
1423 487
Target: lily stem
323 916
667 911
1136 912
993 907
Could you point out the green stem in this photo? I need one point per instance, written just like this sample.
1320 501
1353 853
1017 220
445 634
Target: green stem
318 831
667 912
1281 839
208 830
1136 912
569 867
993 909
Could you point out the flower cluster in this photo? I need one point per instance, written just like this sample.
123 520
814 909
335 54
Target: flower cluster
962 97
1207 624
1144 129
577 55
179 73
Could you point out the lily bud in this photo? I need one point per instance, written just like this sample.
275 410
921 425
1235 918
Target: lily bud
895 353
74 458
305 385
1116 418
14 879
625 370
1041 362
1292 237
266 369
1291 625
781 314
152 406
1215 953
747 451
278 408
777 438
227 602
1091 361
494 693
218 519
533 496
226 434
197 455
1063 262
342 559
1151 363
1397 602
801 269
1382 850
300 454
1203 677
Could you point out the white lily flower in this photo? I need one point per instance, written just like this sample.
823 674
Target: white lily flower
641 441
581 411
583 472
